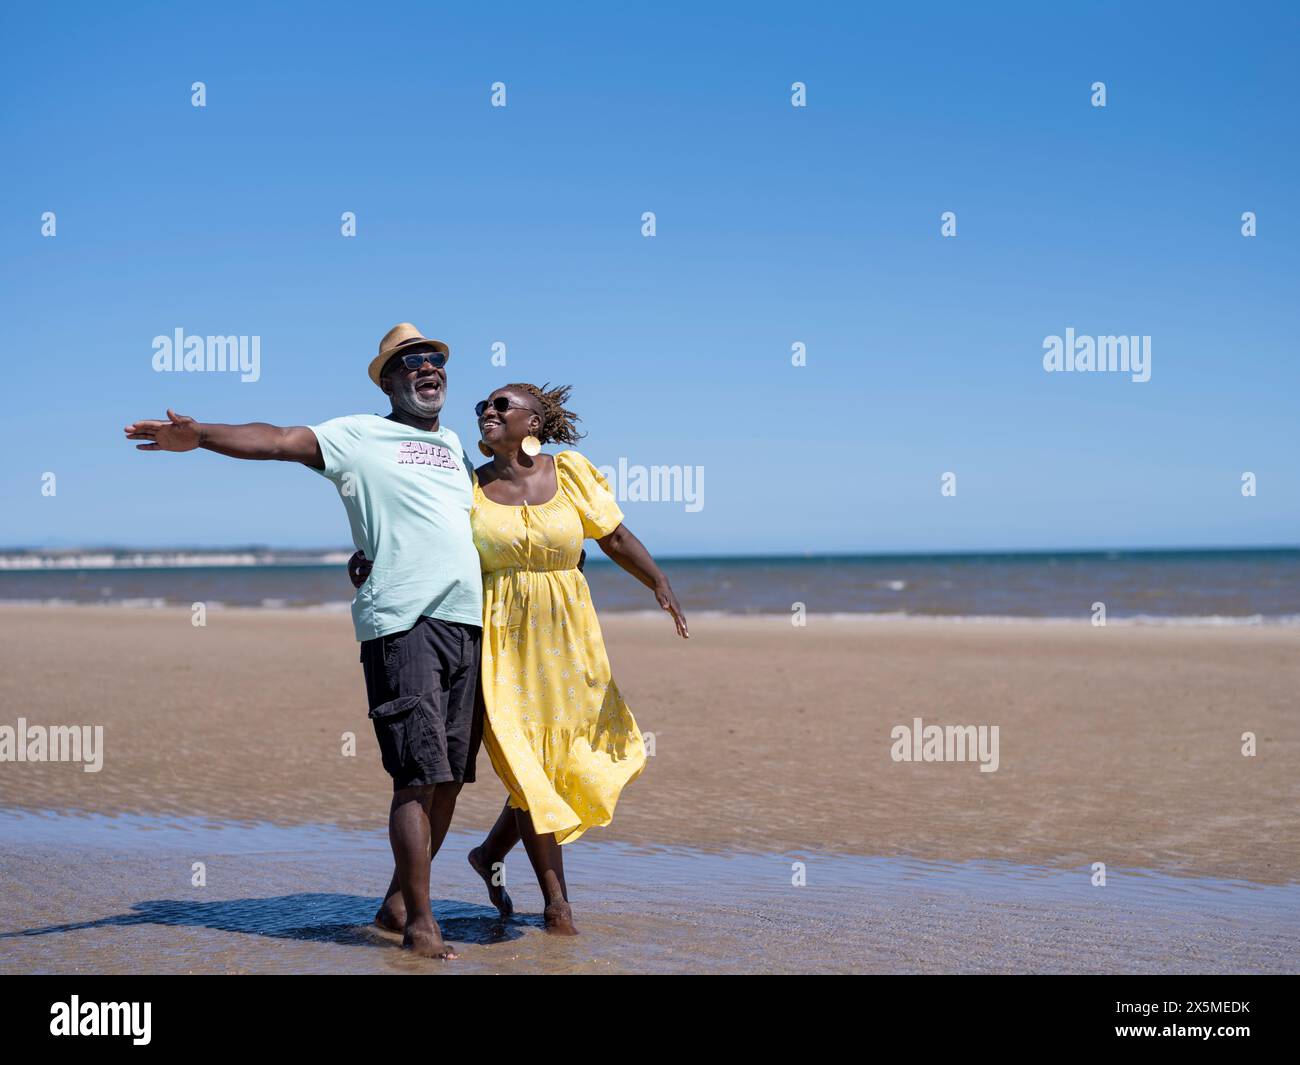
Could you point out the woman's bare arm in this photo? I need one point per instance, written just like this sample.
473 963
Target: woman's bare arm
631 554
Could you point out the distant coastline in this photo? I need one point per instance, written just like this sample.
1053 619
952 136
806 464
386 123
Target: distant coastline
87 558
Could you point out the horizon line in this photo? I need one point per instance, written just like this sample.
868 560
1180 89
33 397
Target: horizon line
780 555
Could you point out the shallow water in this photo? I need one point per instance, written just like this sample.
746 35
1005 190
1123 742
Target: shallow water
96 893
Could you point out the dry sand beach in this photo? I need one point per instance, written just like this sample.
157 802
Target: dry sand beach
1119 745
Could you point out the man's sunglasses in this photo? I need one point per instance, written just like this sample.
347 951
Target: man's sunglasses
416 359
500 405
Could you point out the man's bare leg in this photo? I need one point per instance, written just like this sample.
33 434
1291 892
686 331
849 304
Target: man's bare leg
392 913
417 825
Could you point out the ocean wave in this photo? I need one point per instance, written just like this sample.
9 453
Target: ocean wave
1254 620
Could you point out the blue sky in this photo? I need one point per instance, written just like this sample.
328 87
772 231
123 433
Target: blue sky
775 225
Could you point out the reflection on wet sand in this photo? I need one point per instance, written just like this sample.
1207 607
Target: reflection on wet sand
94 893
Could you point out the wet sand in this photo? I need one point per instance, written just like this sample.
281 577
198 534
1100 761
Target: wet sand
298 899
1119 745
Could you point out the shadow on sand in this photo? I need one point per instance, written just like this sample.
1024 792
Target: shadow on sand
314 917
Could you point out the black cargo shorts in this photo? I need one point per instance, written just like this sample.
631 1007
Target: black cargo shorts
422 686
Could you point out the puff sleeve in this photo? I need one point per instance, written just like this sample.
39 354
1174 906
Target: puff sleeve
589 492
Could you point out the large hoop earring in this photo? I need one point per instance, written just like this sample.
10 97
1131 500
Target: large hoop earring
484 450
530 446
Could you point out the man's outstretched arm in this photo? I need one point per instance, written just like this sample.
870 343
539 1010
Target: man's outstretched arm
256 440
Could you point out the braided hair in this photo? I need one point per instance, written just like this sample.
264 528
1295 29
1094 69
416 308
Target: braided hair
559 424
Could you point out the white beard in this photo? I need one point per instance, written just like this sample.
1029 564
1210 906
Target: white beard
408 399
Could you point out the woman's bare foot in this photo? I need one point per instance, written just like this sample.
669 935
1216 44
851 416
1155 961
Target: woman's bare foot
559 918
496 892
424 940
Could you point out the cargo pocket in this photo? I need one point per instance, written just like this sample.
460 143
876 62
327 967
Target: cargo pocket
402 732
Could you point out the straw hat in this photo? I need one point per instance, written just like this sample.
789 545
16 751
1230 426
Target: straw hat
400 338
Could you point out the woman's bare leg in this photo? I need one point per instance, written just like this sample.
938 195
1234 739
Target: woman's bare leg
548 864
488 859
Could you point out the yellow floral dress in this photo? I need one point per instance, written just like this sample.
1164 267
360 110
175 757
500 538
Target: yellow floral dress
559 734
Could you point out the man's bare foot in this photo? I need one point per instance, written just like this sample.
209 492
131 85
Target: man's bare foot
424 940
559 919
392 916
496 892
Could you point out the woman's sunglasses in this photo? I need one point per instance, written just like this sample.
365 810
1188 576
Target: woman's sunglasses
500 405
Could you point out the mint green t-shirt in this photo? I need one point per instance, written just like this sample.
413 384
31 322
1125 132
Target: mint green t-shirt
408 494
